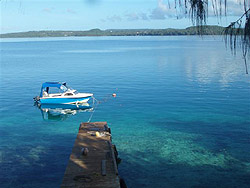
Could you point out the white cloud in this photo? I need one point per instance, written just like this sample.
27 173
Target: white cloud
162 6
235 8
144 16
166 9
132 16
163 11
136 16
114 18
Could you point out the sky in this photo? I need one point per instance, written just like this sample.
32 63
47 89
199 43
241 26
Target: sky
35 15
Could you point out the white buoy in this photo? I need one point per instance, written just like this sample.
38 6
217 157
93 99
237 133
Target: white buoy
97 134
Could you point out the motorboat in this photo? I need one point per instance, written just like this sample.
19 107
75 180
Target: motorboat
64 94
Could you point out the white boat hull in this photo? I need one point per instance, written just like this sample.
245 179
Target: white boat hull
65 100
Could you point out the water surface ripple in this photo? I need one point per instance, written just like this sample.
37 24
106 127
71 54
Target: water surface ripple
181 117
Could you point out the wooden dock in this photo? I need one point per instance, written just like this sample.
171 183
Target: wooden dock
93 161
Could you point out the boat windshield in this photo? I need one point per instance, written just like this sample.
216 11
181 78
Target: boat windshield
63 88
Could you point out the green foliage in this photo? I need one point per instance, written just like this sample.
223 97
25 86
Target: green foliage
207 30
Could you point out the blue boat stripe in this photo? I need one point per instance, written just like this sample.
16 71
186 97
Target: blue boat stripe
62 100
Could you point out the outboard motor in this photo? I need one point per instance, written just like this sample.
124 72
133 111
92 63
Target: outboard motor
36 99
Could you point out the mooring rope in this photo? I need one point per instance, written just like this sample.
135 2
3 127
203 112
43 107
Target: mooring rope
97 102
94 107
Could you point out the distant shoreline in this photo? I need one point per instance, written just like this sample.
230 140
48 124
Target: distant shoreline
207 30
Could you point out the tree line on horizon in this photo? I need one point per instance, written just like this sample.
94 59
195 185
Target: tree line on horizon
207 30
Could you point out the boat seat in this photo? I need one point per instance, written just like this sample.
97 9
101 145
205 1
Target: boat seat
45 94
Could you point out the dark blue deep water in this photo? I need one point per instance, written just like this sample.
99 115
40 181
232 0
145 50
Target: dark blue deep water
181 117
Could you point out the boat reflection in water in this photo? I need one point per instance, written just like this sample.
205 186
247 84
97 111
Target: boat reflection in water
59 112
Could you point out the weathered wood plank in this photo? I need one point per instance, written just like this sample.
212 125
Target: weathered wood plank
92 162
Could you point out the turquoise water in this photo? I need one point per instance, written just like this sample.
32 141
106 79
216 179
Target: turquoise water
181 117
